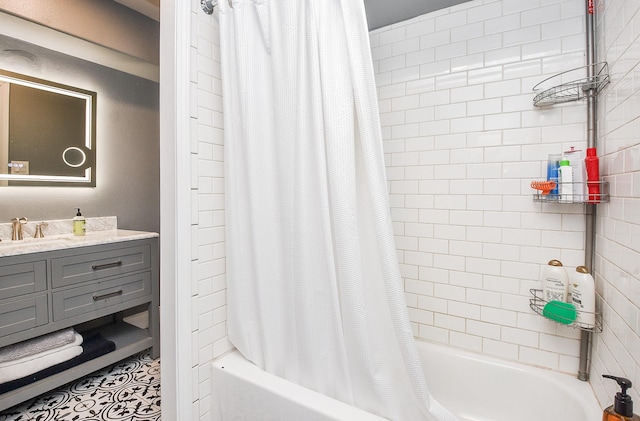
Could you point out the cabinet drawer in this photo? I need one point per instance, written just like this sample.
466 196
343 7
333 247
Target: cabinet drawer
92 266
22 314
23 278
99 295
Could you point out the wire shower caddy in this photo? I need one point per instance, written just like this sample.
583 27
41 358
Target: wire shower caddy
574 89
537 303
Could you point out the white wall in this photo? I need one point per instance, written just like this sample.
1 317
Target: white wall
462 143
617 349
208 284
105 23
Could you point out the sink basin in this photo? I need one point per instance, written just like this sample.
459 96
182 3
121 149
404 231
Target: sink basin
27 245
32 241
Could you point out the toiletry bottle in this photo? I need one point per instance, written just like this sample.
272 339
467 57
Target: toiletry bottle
583 297
622 409
555 282
552 171
565 174
576 159
79 224
593 175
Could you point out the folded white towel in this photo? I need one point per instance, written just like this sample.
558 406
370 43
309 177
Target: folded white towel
36 345
33 365
77 342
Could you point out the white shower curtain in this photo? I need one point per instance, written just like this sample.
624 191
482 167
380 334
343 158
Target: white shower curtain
314 290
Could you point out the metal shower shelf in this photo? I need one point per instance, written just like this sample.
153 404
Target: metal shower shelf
572 90
586 197
537 303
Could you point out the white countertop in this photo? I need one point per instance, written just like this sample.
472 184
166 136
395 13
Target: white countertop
66 241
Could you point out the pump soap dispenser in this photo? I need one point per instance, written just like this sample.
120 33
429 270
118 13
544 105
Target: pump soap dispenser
622 409
79 224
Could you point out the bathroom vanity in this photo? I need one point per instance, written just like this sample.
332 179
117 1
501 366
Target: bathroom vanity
89 283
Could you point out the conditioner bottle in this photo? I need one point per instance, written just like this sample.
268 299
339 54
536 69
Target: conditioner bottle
583 297
555 282
622 408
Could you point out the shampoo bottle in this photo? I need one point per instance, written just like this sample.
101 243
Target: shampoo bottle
622 409
555 282
79 224
583 297
592 165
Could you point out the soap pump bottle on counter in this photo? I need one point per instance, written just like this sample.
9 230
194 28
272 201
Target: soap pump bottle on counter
622 408
79 224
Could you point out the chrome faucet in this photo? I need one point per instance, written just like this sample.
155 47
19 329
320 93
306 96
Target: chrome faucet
16 234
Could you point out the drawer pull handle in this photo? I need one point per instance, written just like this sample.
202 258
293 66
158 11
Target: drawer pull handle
109 295
107 265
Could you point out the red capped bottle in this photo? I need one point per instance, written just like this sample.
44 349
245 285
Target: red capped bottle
592 166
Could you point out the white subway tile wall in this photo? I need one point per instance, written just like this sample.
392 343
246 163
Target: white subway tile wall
208 288
463 141
617 349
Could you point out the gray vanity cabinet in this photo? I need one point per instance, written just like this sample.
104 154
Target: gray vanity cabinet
89 287
23 291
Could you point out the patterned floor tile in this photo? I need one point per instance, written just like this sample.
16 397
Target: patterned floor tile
128 390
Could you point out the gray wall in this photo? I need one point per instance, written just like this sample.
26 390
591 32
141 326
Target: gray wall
128 163
102 22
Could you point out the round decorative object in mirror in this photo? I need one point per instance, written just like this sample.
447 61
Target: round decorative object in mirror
74 157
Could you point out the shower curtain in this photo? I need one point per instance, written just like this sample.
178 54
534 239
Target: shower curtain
314 290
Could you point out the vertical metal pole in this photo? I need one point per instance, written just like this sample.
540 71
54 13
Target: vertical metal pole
591 74
585 355
590 217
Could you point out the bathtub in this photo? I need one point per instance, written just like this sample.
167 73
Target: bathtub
474 387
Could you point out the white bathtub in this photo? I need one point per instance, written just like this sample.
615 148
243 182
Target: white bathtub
474 387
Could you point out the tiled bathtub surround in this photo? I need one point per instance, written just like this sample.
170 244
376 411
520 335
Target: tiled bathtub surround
208 283
617 349
462 143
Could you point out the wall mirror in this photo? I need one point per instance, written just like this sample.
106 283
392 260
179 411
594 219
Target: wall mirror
47 133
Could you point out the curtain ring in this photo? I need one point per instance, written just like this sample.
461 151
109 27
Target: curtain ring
208 5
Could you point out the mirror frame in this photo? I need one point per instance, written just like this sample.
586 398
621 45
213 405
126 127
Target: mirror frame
90 97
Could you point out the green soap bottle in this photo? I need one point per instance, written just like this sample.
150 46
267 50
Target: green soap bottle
79 224
622 409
